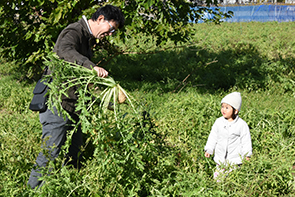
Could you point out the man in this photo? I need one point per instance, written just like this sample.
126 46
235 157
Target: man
74 45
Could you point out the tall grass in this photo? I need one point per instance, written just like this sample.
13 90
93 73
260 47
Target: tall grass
160 152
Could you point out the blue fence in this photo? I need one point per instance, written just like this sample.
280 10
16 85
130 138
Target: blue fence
262 13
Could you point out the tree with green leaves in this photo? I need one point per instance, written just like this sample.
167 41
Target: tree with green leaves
30 28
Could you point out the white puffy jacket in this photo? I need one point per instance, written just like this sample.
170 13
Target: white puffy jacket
231 141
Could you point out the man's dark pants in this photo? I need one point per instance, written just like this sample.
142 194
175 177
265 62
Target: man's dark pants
54 131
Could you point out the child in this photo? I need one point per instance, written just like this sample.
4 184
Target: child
229 137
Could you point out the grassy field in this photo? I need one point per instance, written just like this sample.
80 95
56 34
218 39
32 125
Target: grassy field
181 89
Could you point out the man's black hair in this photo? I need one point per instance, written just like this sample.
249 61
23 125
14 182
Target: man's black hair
110 13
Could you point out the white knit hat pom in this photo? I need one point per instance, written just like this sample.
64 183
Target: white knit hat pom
233 99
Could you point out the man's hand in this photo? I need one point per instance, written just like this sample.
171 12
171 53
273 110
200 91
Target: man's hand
101 72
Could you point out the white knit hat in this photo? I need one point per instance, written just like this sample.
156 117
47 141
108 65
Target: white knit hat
233 99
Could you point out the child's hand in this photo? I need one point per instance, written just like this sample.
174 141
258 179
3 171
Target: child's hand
207 154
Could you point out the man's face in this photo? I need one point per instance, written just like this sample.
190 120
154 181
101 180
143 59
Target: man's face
104 28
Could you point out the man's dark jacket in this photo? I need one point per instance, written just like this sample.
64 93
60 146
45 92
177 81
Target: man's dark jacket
74 45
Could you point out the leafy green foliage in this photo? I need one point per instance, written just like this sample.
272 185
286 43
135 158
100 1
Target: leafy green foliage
30 28
118 139
90 88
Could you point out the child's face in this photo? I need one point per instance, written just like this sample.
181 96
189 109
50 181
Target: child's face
227 111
